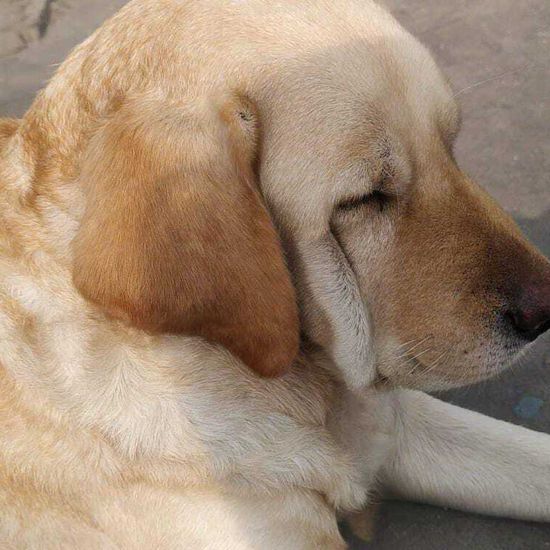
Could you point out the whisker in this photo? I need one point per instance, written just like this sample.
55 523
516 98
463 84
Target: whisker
437 362
415 357
407 343
415 364
414 367
494 77
419 343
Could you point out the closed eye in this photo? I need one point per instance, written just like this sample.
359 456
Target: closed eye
375 198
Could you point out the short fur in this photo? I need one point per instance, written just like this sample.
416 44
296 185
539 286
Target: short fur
196 177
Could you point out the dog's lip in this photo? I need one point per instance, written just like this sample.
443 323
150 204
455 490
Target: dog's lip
419 372
382 382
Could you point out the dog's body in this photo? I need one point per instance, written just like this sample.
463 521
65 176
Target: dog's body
115 436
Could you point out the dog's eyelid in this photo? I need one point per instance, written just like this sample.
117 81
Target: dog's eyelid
376 196
381 193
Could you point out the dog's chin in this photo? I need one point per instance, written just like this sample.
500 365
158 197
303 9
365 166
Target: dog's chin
432 382
426 382
411 373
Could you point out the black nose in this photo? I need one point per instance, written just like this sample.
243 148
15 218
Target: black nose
529 326
530 316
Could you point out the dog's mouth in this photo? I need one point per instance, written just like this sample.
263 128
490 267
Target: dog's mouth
430 370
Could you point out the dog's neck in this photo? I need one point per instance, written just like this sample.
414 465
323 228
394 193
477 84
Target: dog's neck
128 405
73 366
53 343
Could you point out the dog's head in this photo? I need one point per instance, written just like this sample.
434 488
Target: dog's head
405 270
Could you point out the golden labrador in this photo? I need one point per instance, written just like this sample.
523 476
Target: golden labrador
233 243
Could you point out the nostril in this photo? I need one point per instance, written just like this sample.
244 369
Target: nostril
543 327
529 324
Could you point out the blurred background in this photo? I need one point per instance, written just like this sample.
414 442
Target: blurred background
497 56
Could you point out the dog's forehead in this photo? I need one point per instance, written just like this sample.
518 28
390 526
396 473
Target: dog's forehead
353 87
350 102
334 115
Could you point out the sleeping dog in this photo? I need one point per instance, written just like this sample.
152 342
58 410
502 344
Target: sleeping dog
234 248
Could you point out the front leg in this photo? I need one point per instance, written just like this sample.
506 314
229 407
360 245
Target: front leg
453 457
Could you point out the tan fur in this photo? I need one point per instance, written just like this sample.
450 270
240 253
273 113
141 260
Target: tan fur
174 237
141 274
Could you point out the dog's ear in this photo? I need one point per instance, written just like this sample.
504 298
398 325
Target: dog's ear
175 237
335 315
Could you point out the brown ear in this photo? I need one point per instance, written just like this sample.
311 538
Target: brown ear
175 237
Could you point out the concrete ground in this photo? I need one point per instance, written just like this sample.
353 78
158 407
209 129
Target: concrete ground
497 54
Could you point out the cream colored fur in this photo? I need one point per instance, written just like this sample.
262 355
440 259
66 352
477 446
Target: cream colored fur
112 437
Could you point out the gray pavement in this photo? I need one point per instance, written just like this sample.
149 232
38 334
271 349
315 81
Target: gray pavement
497 55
